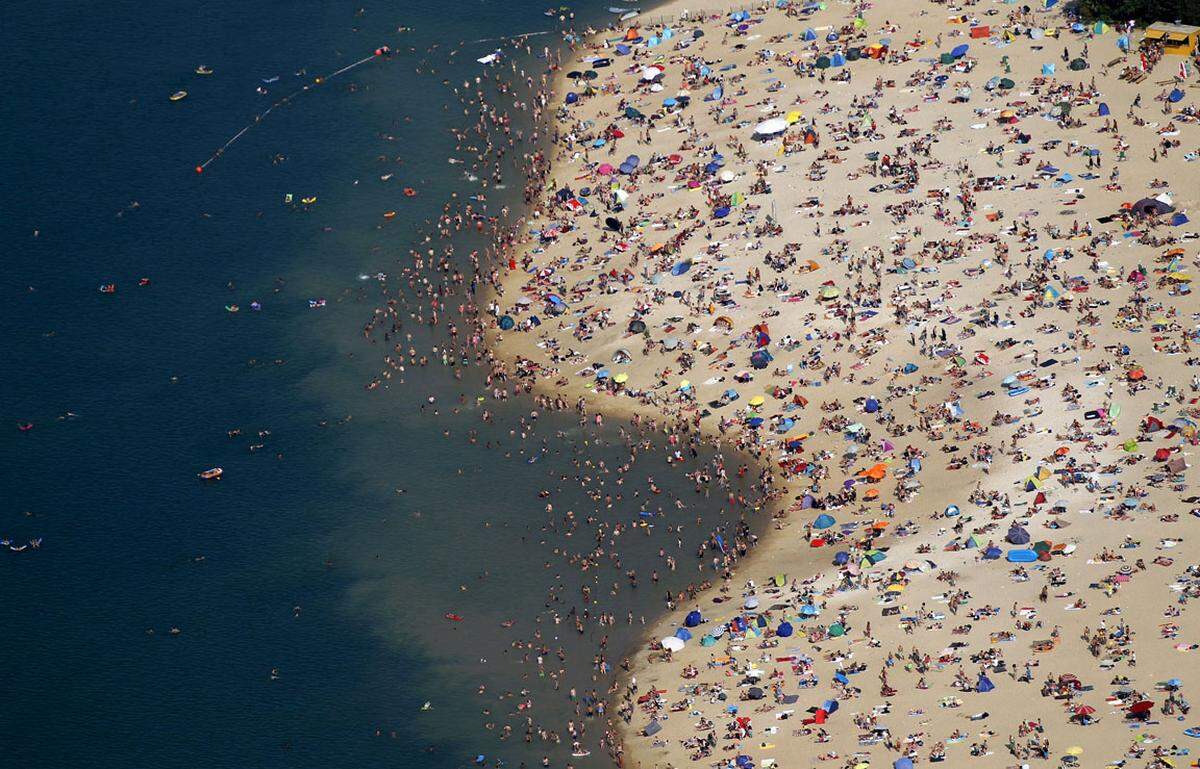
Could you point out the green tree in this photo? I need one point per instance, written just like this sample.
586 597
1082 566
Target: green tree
1145 11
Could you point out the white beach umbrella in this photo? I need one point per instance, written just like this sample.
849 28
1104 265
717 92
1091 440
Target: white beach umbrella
771 127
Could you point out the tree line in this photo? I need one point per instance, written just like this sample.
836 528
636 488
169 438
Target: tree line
1144 11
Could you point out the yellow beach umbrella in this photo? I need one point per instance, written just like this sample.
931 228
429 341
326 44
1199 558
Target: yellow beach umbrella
1074 750
793 116
757 400
621 378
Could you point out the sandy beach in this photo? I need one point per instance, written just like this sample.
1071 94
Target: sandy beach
930 266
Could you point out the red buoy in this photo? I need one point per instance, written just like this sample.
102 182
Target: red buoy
199 169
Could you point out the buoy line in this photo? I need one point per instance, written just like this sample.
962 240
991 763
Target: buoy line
382 51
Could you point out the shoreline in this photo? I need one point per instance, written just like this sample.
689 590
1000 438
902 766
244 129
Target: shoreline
514 348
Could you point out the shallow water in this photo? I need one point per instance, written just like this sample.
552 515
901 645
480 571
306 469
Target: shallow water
331 553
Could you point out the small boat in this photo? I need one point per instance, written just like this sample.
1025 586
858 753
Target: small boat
314 304
204 69
232 308
211 474
617 10
309 200
287 199
24 426
629 15
269 80
389 214
454 617
108 288
179 96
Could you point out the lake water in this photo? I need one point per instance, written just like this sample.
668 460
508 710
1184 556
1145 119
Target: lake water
309 586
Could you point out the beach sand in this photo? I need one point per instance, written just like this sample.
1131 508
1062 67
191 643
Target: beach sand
965 361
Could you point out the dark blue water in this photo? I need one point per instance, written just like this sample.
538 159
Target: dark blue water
292 613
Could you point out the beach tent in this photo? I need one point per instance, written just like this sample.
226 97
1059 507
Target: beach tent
959 51
784 630
871 406
506 322
824 521
1048 69
1077 65
1021 556
902 763
822 62
672 644
984 684
1123 42
693 619
837 60
1154 206
683 634
1104 111
809 34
